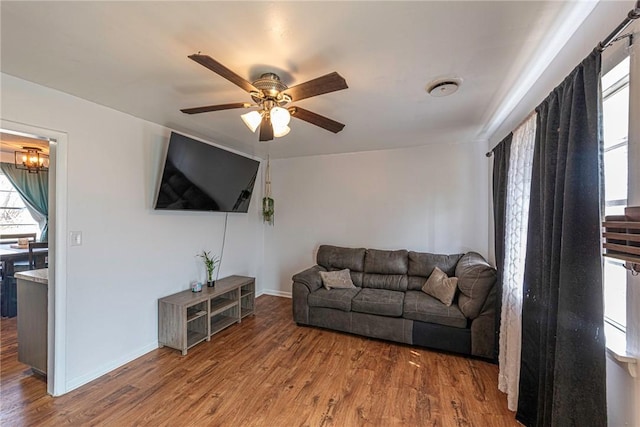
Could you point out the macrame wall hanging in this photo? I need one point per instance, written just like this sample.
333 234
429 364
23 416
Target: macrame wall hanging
267 201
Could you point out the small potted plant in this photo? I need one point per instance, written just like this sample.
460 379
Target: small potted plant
210 263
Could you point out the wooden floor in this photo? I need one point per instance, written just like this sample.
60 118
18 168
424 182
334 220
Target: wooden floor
266 371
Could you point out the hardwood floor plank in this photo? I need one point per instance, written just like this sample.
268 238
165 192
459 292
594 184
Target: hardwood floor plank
266 371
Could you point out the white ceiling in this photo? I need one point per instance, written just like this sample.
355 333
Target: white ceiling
132 56
10 143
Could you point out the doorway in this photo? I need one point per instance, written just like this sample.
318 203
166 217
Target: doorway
56 292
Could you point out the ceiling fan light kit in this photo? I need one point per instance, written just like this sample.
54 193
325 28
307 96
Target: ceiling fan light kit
279 132
252 119
271 96
280 117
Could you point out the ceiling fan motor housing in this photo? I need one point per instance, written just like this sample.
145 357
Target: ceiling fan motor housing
270 85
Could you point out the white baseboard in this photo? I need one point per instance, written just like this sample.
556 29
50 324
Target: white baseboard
271 292
74 383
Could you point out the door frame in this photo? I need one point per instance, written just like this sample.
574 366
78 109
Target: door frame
57 288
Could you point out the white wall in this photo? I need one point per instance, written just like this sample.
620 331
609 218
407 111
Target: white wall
629 386
432 198
131 255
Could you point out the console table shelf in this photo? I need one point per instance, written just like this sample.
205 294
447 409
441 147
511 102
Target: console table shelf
195 315
220 322
187 318
194 337
219 305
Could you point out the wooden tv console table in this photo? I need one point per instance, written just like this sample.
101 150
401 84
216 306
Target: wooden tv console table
188 318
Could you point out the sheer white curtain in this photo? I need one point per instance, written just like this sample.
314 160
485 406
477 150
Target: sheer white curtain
517 216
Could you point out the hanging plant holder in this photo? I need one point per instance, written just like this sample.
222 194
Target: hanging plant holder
267 210
267 201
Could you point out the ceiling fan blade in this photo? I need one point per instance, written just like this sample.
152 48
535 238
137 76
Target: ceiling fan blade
266 130
219 107
218 68
325 84
316 119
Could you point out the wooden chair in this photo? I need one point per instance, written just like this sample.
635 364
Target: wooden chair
37 260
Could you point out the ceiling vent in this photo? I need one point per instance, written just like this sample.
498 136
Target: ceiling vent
443 87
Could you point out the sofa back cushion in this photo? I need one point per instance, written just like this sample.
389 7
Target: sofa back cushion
421 265
476 278
386 269
335 258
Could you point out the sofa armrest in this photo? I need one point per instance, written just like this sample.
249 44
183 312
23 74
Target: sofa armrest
476 279
484 330
310 278
300 303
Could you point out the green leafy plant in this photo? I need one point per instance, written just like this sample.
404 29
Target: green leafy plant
210 263
267 210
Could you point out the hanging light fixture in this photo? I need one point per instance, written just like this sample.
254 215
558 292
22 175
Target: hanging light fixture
32 160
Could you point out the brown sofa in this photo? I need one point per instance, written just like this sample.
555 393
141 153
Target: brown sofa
388 302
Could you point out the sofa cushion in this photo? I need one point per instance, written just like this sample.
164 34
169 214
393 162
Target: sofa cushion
439 286
421 264
385 270
378 301
338 258
339 299
340 279
475 280
392 282
386 262
425 308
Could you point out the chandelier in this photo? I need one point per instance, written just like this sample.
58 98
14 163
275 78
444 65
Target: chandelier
32 160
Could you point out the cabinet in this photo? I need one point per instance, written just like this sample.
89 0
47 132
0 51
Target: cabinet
187 318
32 318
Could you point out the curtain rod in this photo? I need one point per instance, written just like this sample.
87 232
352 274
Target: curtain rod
613 37
490 153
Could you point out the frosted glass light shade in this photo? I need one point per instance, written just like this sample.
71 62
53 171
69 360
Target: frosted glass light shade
280 117
252 119
281 131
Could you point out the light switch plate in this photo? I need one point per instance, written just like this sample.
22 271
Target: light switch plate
75 238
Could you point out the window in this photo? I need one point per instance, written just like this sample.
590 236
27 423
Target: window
615 95
14 215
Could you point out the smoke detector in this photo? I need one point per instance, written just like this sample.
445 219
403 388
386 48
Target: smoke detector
443 87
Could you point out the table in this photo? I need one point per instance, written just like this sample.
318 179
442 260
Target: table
8 257
187 318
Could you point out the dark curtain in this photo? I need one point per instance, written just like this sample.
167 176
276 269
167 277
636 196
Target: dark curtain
501 155
562 372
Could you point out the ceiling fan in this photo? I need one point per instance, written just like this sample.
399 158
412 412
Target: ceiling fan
271 97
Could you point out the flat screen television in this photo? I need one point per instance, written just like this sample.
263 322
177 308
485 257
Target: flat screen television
201 177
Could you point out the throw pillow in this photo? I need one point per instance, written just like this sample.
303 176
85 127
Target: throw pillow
439 286
340 279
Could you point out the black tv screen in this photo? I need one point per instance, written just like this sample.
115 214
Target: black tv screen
201 177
